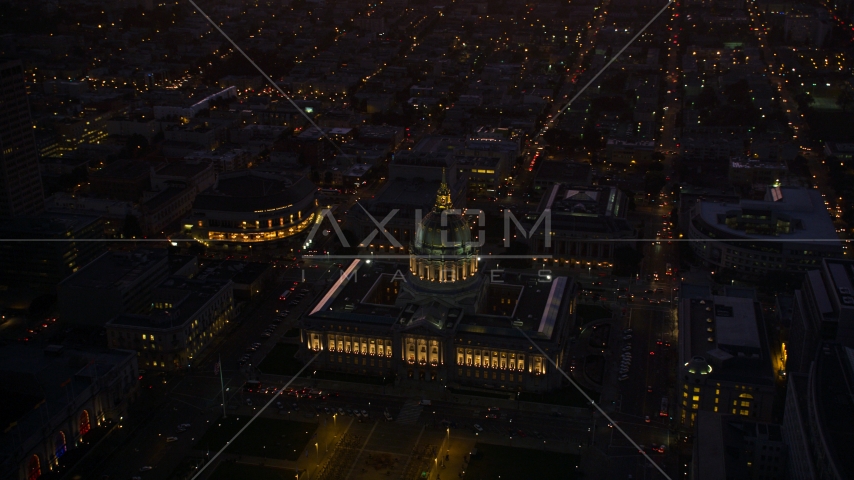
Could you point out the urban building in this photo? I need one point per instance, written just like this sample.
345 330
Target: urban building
122 180
117 282
728 446
725 364
249 207
571 173
786 213
409 199
822 311
690 195
186 315
754 173
581 219
56 399
21 191
42 265
443 316
819 416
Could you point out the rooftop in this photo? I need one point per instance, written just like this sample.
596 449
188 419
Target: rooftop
729 334
183 169
193 294
250 190
367 293
117 269
124 169
804 209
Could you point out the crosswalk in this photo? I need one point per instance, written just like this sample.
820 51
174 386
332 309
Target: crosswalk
409 413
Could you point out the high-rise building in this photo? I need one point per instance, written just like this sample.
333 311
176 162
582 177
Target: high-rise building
819 415
21 190
822 311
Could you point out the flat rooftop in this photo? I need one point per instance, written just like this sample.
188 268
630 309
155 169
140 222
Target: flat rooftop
117 269
366 293
194 294
253 191
804 207
729 334
413 193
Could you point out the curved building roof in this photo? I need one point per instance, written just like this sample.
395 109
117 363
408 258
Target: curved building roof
253 191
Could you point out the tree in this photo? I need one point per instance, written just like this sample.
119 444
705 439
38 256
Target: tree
707 99
327 178
653 182
516 248
631 196
656 167
136 145
132 228
41 306
845 99
626 260
804 100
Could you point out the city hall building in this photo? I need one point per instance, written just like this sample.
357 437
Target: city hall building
442 315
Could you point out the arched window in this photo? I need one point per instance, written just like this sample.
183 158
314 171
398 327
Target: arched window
85 426
34 468
59 443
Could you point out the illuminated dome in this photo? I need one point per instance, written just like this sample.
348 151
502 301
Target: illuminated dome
434 238
443 250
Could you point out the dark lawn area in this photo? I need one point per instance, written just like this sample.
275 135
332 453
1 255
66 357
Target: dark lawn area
599 335
568 396
294 332
588 313
480 393
594 368
498 461
281 361
242 471
265 437
352 377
